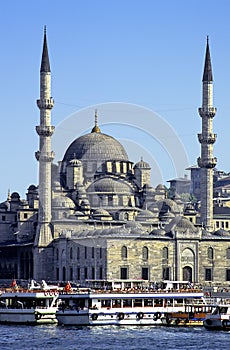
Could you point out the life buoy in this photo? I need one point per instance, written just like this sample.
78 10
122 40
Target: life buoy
158 315
209 322
121 316
94 317
140 315
37 316
51 292
46 292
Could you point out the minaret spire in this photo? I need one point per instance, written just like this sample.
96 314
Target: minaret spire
45 156
206 161
45 64
207 76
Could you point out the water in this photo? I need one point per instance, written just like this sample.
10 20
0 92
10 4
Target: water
111 338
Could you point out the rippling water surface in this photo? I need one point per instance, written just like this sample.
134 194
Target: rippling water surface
119 338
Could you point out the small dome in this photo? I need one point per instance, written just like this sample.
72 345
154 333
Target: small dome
110 185
221 232
142 165
160 187
101 212
32 188
15 196
167 205
158 232
181 224
5 206
63 202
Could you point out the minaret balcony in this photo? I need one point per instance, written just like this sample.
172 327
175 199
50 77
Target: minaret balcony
208 163
45 103
45 130
208 112
208 139
44 157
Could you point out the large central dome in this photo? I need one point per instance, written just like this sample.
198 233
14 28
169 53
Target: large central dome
95 146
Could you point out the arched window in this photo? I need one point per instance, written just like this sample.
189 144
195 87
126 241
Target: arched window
71 253
57 254
228 253
165 253
145 253
124 252
210 253
78 253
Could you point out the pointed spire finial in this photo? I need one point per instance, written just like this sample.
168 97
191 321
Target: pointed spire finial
45 64
8 195
96 127
207 76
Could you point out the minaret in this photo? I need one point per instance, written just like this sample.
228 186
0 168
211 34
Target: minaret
45 157
206 161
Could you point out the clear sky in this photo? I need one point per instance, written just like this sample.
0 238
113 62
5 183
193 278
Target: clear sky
124 57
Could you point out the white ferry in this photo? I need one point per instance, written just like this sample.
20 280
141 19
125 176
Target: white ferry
219 319
32 306
124 307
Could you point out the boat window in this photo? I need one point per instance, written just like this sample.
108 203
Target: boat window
127 302
105 303
148 302
159 302
116 303
137 302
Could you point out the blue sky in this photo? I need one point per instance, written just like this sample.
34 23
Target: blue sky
145 53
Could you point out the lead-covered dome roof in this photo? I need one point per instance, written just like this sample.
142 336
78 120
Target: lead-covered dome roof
95 146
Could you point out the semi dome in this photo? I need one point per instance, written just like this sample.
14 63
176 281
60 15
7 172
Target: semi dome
95 146
109 185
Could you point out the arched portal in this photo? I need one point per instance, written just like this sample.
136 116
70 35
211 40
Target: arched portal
187 273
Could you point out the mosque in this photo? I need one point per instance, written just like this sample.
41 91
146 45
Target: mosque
96 217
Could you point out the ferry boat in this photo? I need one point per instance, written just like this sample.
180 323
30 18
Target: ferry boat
219 319
124 307
31 306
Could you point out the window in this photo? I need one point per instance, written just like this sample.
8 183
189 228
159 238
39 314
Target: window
3 218
78 253
57 273
227 275
217 224
165 253
124 273
228 253
145 273
226 224
222 224
145 253
166 273
85 252
86 273
100 253
208 274
25 215
57 254
78 273
71 253
101 273
124 252
71 273
92 252
93 273
210 253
